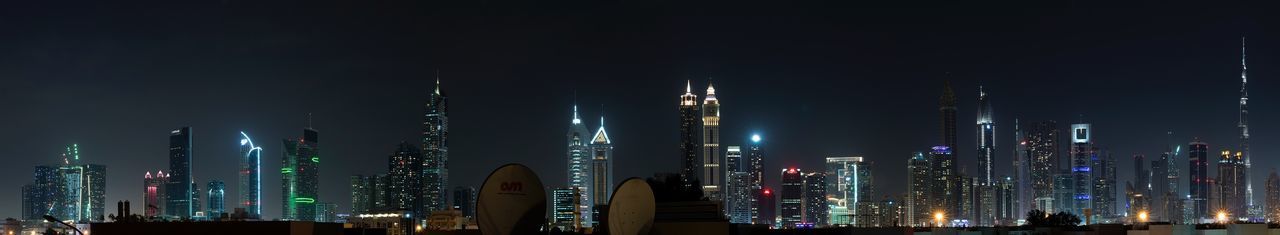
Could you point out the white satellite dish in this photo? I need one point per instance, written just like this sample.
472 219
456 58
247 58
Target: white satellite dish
632 208
511 201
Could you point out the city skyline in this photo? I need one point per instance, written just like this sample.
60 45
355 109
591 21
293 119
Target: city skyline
804 110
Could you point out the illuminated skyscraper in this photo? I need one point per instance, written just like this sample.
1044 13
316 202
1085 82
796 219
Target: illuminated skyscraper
1231 182
755 178
464 200
768 207
1199 157
300 176
217 198
711 171
370 192
1160 189
986 138
947 106
944 190
738 191
250 177
601 166
792 203
919 208
688 136
565 213
579 163
1272 211
849 183
1022 191
153 193
435 151
178 201
45 195
1042 146
815 199
1082 155
404 182
86 187
1244 129
1104 187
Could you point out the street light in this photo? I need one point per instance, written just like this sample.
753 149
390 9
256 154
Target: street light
55 220
939 217
1142 216
1222 217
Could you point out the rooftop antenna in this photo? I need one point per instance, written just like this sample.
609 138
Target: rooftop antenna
308 120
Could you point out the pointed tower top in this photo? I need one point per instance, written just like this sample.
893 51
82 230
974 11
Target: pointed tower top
948 98
576 120
688 86
601 137
1244 78
308 120
437 81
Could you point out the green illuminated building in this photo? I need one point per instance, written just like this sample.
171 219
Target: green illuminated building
300 177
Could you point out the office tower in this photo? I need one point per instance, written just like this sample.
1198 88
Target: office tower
944 190
919 180
196 206
947 106
153 193
579 163
986 137
178 201
435 151
1136 203
1082 155
755 178
464 200
1006 202
1244 129
1199 156
968 201
711 175
792 201
326 212
1042 145
738 194
1104 187
46 195
1021 171
1160 188
300 176
217 198
565 212
85 195
1273 197
733 161
1064 193
815 199
404 181
32 201
688 135
601 166
250 177
370 193
768 208
849 183
1141 177
1231 183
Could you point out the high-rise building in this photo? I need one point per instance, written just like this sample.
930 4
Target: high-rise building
326 212
371 193
196 206
1136 203
250 176
945 188
688 136
45 195
1082 155
986 137
300 178
768 207
738 195
69 191
791 206
947 107
178 201
1160 189
1231 183
1244 130
919 180
565 213
1141 175
579 165
464 200
601 166
1199 157
1064 192
404 181
1104 187
217 198
711 175
1273 197
815 200
849 183
435 151
1006 202
1021 171
755 178
153 194
1042 146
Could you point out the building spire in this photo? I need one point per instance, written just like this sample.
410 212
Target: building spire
688 86
437 81
576 120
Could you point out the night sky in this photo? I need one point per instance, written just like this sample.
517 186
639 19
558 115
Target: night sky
815 80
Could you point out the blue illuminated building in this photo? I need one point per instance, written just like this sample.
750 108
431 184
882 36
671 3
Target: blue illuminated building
250 177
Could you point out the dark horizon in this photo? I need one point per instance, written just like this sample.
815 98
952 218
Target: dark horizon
815 81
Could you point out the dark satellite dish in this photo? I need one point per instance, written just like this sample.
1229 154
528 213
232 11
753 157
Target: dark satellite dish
632 208
511 201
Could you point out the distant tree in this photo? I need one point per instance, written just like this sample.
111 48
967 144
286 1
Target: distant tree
1038 218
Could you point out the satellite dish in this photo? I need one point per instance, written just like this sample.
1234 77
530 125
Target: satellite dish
511 201
632 208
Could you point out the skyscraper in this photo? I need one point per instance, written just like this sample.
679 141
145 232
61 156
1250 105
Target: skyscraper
601 166
688 135
986 137
815 199
1104 187
1021 171
178 201
464 200
579 166
738 191
404 181
792 200
217 198
85 196
1082 155
1160 189
300 176
755 178
250 176
435 150
1244 128
768 207
849 184
919 182
370 192
947 106
564 205
45 195
1042 145
153 193
1141 175
945 189
1199 157
1231 183
711 175
1273 197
